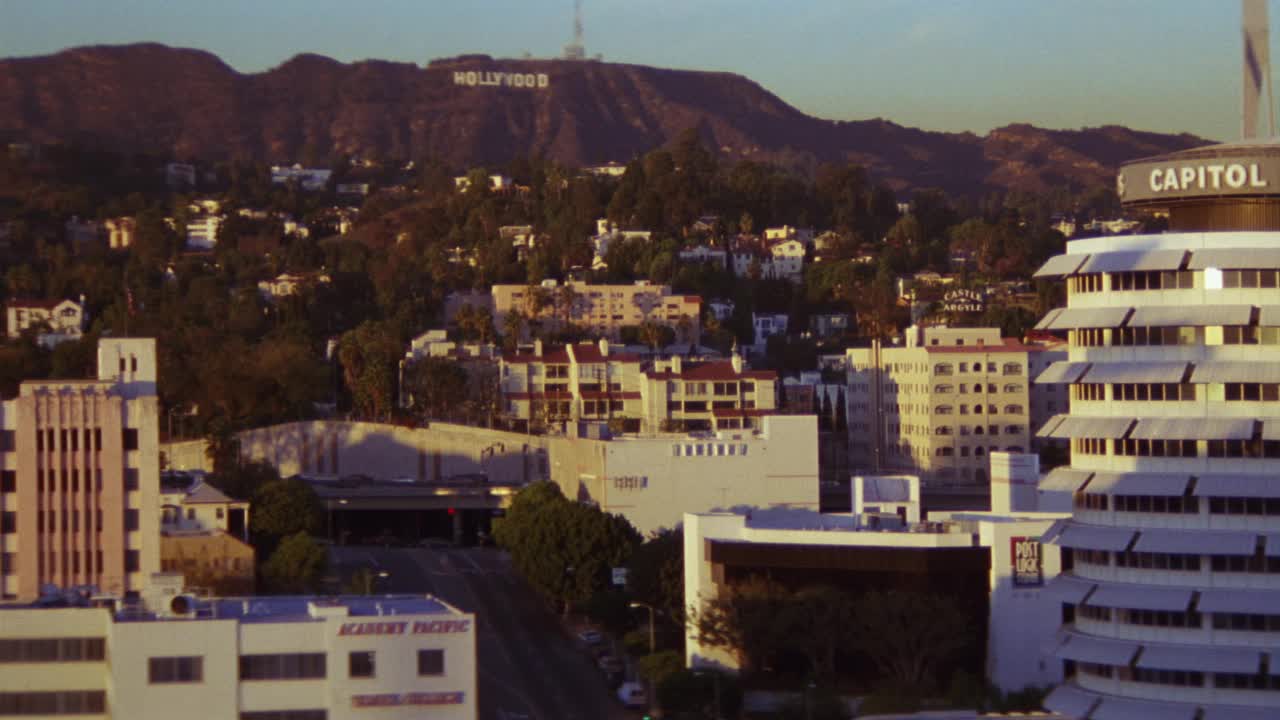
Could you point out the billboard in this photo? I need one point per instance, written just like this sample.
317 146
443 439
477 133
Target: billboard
1028 567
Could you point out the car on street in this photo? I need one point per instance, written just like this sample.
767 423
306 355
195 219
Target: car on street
609 664
591 636
632 695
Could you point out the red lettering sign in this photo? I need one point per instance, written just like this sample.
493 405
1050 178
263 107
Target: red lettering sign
373 628
424 627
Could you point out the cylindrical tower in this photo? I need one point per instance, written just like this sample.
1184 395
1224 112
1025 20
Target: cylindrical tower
1171 583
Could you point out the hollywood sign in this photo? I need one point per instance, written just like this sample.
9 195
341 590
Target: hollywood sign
487 78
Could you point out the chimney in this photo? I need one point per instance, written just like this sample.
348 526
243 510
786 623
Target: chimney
537 347
604 347
736 359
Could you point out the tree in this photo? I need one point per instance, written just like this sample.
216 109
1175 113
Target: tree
908 635
282 508
370 357
820 619
656 573
745 620
564 550
436 386
297 565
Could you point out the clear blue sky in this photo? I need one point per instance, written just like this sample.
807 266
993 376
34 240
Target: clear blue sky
1166 65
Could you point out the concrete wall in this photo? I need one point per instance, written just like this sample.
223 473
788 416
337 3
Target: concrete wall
390 451
646 481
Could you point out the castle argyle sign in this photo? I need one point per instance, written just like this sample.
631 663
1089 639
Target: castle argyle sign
963 301
497 78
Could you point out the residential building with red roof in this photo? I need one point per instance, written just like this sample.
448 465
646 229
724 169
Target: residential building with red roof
596 382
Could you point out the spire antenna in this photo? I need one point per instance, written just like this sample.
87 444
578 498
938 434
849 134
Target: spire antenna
1256 69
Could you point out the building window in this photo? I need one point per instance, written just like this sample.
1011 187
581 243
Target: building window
130 478
8 441
130 439
289 666
130 519
430 662
8 481
360 664
131 561
188 669
38 650
66 702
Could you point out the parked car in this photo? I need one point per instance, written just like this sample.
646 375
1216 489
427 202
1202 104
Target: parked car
632 695
591 636
609 664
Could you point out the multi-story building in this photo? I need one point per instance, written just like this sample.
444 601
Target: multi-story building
202 233
602 309
991 564
938 406
79 488
58 319
576 382
679 394
254 658
1171 605
652 480
594 382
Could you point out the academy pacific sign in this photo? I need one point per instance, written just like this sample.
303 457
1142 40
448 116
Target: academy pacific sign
497 78
1204 177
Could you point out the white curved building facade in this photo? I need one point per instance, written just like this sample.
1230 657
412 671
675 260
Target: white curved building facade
1171 562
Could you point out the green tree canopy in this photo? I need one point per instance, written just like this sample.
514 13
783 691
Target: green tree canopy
297 565
565 550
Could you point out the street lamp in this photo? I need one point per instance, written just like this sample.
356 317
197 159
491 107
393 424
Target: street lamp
636 604
650 608
370 578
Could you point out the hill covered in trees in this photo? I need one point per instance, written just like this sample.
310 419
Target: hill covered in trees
311 109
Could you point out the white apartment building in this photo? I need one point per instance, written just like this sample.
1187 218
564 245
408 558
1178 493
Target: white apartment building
202 234
1171 584
940 405
63 319
307 178
253 658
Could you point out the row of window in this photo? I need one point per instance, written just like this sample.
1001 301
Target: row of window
40 650
288 666
64 702
1185 335
1253 564
708 449
1135 280
977 409
977 452
1254 448
1183 678
978 430
1178 505
1006 369
977 388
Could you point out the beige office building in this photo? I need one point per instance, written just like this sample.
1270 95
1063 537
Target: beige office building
80 478
938 406
602 309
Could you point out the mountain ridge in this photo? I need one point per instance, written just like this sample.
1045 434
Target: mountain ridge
189 103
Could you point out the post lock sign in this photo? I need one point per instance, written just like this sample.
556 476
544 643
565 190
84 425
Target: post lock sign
1028 570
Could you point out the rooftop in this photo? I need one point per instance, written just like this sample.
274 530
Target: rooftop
262 608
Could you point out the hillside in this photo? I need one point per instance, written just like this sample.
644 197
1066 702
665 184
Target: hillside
192 105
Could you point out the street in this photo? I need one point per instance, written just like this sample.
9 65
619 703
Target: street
527 666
